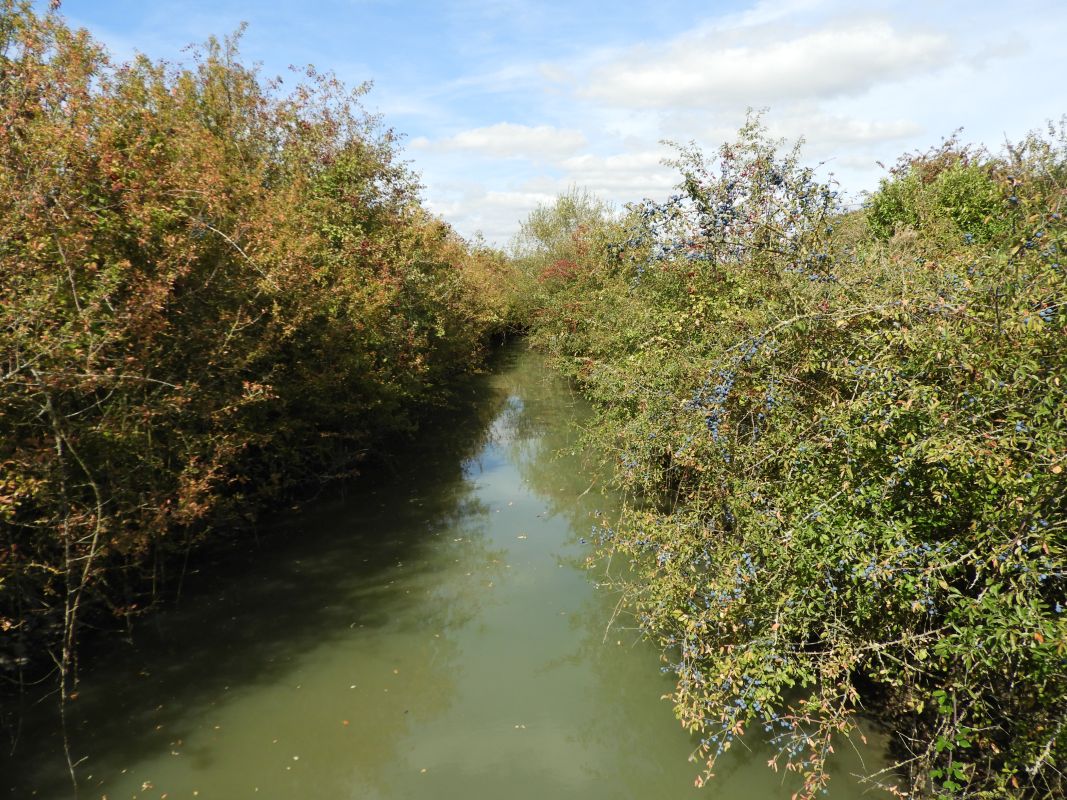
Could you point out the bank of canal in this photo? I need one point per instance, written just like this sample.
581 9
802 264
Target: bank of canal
433 635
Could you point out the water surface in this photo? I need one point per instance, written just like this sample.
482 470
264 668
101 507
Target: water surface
432 635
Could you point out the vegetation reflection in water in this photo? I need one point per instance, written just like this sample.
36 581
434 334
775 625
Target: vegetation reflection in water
434 636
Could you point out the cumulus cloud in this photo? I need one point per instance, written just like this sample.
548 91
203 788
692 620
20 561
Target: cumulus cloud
471 207
617 178
827 134
858 86
758 65
623 175
508 140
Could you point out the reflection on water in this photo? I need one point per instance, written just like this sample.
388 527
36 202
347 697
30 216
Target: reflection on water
432 636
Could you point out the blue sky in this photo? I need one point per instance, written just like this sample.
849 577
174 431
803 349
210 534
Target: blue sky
505 103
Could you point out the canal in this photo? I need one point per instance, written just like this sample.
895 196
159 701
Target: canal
432 634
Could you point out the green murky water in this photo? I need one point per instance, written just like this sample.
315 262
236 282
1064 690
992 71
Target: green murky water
434 637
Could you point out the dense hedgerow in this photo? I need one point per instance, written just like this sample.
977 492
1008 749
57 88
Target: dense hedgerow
845 433
211 292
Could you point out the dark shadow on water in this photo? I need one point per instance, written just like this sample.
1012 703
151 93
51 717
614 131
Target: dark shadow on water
246 616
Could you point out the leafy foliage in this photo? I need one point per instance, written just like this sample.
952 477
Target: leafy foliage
950 185
845 437
211 293
558 245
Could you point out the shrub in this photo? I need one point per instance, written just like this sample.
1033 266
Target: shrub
211 294
845 455
952 186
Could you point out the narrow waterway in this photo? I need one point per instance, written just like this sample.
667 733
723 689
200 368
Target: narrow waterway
433 635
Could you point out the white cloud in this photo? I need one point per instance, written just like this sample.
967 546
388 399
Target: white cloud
508 140
510 118
827 134
616 179
519 200
554 74
628 176
858 162
495 214
858 85
760 65
768 11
